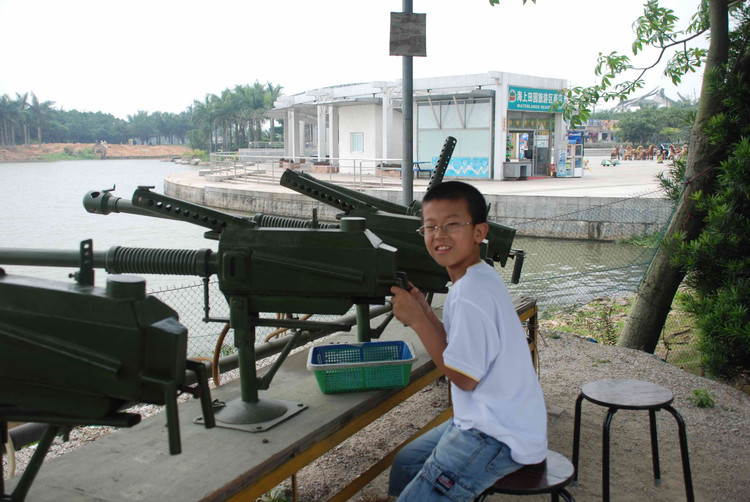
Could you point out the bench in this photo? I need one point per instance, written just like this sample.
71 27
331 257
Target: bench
418 168
227 464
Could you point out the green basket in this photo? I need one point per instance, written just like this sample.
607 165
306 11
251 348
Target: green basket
361 366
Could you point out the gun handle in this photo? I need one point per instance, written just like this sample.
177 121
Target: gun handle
403 282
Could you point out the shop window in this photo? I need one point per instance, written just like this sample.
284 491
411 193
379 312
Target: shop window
425 116
357 142
479 114
450 117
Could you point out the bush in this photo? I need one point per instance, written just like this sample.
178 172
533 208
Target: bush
702 399
201 154
719 268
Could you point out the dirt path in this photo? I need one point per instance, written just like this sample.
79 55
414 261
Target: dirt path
36 153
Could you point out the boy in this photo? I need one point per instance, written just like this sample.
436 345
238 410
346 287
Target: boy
499 417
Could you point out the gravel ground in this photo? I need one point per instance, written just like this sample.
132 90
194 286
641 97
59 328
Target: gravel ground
719 437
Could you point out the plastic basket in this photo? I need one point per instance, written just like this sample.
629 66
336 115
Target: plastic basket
361 366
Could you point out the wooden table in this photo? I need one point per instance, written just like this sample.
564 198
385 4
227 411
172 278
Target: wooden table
225 464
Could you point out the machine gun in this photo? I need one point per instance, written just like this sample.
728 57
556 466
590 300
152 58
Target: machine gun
62 369
397 224
291 270
78 355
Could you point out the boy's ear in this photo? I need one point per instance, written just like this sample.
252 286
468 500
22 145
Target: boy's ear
480 232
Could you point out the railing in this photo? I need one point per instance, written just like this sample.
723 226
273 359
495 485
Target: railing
263 145
241 166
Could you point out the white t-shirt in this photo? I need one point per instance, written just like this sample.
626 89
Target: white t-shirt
487 343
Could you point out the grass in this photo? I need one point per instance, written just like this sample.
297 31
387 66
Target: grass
603 320
645 241
71 154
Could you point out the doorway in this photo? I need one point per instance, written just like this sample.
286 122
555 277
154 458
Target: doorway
530 139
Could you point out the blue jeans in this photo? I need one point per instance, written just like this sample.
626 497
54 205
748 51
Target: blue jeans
447 463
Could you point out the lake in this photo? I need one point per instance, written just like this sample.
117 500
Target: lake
41 207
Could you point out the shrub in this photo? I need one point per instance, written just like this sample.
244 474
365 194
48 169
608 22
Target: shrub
702 399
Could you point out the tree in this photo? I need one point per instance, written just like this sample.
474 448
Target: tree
22 111
5 113
655 125
141 126
657 28
203 117
40 111
272 94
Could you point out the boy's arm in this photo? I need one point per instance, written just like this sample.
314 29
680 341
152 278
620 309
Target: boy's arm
408 308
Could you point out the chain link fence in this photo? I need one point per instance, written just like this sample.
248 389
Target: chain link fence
581 286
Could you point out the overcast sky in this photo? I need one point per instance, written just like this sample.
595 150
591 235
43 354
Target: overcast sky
121 56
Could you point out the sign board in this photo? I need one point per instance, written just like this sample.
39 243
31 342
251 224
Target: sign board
542 141
408 34
534 100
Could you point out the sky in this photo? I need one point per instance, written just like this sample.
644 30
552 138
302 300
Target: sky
120 57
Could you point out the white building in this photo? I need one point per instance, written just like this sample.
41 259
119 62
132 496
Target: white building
495 117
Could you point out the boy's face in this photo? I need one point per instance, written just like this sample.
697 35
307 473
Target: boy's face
458 250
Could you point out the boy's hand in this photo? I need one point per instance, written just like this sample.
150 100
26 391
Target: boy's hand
408 306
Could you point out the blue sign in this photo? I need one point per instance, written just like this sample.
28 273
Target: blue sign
575 138
467 167
534 100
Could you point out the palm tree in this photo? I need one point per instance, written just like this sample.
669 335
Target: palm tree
203 117
223 116
141 126
272 94
40 111
5 113
23 116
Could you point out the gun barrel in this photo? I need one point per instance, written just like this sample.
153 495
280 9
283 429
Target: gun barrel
103 202
337 196
147 203
443 160
120 260
47 258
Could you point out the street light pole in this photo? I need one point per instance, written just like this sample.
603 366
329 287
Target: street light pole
407 172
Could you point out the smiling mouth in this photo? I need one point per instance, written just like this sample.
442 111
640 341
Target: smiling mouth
442 248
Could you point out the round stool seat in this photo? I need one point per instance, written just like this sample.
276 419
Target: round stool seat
627 394
549 476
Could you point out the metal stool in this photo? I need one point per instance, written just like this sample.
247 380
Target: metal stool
550 476
631 395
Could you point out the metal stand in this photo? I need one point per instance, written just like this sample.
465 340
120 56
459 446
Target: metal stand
248 412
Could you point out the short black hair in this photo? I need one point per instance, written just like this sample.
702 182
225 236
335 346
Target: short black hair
457 190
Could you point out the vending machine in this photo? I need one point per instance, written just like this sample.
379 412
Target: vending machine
574 159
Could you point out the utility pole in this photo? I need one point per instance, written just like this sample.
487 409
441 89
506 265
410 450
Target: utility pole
407 173
408 39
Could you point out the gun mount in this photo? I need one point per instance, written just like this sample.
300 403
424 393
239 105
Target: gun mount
78 355
397 224
319 269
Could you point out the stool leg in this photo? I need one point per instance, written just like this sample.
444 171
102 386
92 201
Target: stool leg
654 447
684 452
576 438
566 496
605 454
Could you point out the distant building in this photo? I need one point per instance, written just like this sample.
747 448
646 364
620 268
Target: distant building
656 98
495 116
598 130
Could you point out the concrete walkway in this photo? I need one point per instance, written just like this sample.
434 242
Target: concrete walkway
628 179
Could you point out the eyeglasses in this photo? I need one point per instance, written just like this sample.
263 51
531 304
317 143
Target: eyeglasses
449 228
